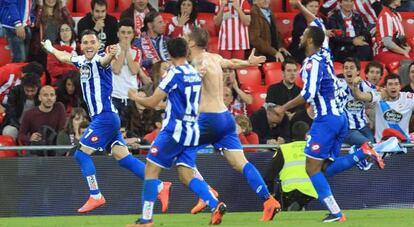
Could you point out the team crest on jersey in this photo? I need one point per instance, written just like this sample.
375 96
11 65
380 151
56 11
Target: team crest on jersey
154 150
393 116
85 73
308 66
94 139
315 147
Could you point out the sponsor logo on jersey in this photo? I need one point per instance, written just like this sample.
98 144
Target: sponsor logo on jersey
393 116
354 106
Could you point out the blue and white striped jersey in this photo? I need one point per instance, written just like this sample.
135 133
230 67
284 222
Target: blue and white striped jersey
183 87
321 87
96 83
355 109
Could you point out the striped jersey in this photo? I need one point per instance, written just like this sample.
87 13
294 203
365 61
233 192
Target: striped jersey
176 31
96 84
363 7
355 109
389 24
321 87
183 87
233 35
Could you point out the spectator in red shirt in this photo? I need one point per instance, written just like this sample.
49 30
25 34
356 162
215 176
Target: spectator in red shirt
245 132
185 20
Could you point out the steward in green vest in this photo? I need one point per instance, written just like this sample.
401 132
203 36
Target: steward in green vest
289 163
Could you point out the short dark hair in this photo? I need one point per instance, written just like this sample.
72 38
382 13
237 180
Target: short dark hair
99 2
391 76
288 61
149 18
33 67
200 36
87 32
31 80
355 61
177 47
299 130
126 22
317 35
305 2
374 64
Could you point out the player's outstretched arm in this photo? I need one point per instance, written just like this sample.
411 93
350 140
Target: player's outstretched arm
107 59
237 63
298 100
151 101
306 13
62 56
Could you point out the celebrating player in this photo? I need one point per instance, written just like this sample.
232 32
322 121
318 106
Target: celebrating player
327 95
179 135
217 126
104 130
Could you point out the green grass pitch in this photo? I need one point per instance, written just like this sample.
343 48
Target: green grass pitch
356 218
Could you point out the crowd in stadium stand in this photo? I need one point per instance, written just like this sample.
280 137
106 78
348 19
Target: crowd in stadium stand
41 100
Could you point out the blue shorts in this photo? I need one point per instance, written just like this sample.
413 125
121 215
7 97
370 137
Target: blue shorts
165 151
326 136
218 129
103 132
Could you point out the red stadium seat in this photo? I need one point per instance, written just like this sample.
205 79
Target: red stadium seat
290 9
273 72
259 97
408 23
167 17
284 24
69 5
5 52
276 6
362 72
338 68
84 6
207 22
7 141
250 76
123 5
213 45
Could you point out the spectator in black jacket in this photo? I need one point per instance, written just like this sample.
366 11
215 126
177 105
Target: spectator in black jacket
270 126
105 26
299 26
21 98
351 38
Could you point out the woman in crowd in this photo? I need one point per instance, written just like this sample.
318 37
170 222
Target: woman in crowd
71 133
185 20
69 91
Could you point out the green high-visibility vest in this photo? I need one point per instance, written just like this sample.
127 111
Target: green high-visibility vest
293 175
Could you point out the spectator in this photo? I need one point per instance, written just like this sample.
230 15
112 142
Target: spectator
41 124
125 67
393 109
66 41
158 70
289 163
185 19
263 32
10 75
299 26
351 38
406 6
137 12
49 15
152 42
244 130
410 87
270 126
233 18
71 133
16 17
102 23
237 99
359 132
69 91
131 140
373 72
157 124
286 89
21 98
391 43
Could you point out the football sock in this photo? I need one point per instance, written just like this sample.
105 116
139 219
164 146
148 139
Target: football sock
88 171
200 188
149 195
324 193
134 165
345 162
255 181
